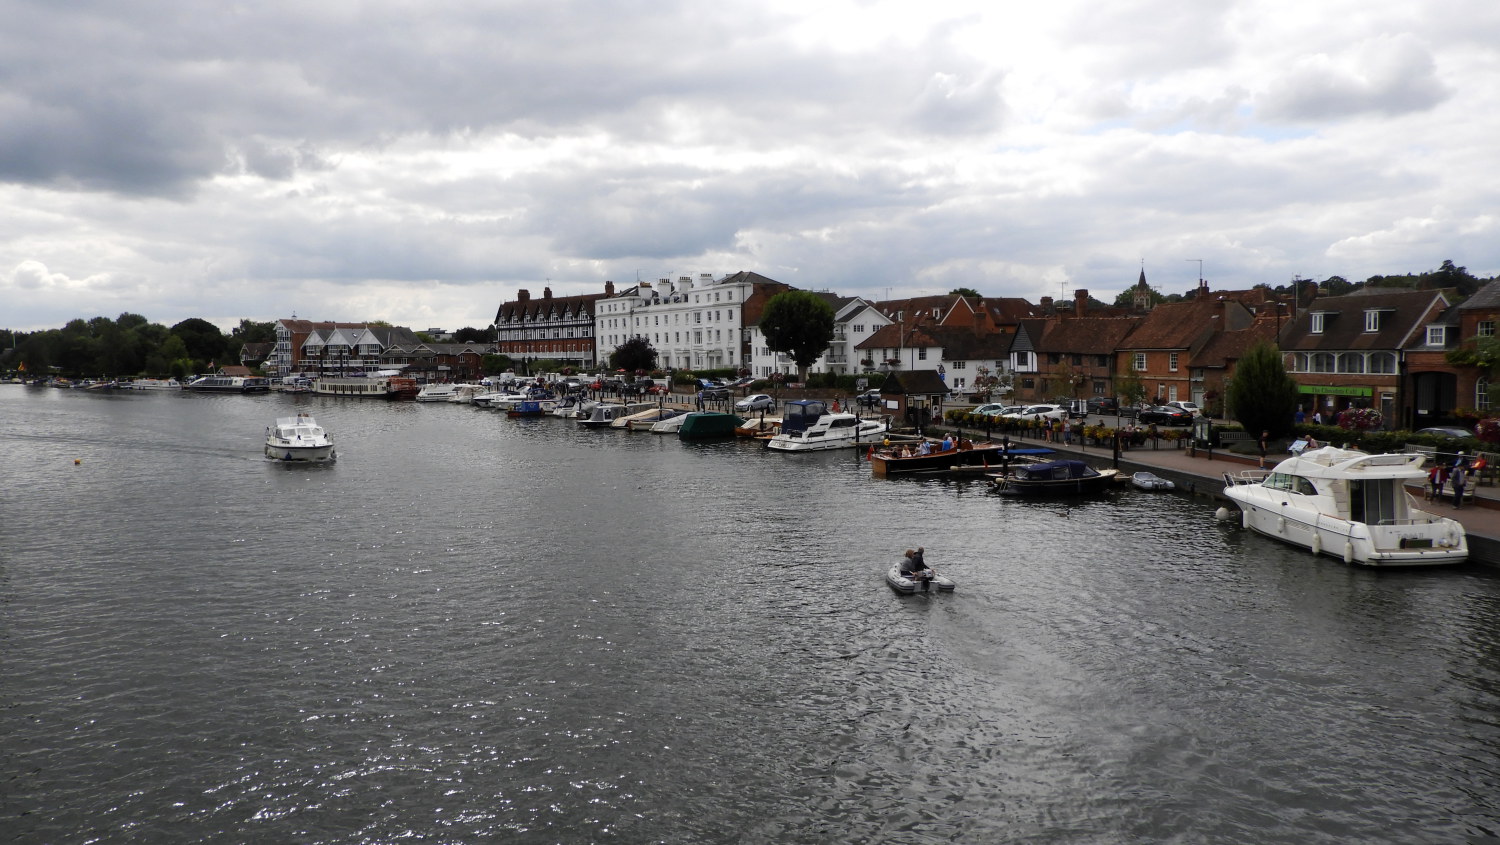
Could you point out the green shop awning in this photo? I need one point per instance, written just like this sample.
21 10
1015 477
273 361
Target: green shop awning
1329 390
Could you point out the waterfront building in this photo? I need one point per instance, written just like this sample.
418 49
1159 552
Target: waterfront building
1379 348
560 329
693 323
331 348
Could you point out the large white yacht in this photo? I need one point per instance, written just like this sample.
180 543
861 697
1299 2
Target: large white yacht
831 431
1348 504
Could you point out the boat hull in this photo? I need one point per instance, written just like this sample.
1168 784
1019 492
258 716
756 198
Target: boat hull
901 584
883 463
306 454
1438 543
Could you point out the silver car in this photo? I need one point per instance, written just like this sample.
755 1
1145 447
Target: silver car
756 402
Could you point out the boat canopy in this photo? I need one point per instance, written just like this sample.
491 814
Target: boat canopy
1056 470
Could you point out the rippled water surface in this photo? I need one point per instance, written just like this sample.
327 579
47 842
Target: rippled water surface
472 627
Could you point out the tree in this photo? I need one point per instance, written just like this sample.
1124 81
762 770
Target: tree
964 292
800 324
1261 395
1130 389
203 340
495 364
469 334
634 354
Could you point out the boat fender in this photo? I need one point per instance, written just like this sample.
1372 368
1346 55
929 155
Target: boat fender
1348 552
1317 544
1244 519
1281 525
1222 514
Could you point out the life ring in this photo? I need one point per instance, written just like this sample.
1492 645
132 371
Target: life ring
1317 544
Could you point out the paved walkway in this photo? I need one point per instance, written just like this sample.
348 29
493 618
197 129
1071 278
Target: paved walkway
1202 473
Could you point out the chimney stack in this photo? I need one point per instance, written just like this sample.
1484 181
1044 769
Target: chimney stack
609 288
1080 301
546 293
523 295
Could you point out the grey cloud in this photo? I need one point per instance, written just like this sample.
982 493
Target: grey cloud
1390 77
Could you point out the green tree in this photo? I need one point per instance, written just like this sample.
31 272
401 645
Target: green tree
964 292
495 364
469 334
800 324
1129 388
1261 395
204 341
634 354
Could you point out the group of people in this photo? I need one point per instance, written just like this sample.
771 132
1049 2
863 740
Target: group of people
926 447
1456 475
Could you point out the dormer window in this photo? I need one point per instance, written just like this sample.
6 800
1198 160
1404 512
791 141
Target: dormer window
1372 321
1317 322
1437 335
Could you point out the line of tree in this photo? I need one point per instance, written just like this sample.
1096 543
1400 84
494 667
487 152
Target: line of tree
1448 276
131 346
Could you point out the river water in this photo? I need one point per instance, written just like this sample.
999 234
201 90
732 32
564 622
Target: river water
473 628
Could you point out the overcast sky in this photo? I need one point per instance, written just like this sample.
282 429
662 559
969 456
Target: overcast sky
420 162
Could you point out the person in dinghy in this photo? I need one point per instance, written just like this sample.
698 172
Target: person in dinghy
914 566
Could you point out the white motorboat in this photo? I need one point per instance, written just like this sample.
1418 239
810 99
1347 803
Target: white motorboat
643 420
437 392
1151 481
831 431
1348 504
902 584
498 400
603 415
156 384
299 438
670 425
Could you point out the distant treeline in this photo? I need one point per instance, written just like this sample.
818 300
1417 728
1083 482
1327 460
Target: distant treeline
131 345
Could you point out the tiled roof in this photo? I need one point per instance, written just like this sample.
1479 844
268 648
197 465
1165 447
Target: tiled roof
1183 325
1403 313
1085 335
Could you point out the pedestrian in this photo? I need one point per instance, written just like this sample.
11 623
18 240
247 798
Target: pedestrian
1435 483
1317 417
1459 480
1265 444
1300 417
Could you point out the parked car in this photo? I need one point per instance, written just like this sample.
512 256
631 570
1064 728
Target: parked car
1031 412
993 409
1164 415
743 381
1190 407
1077 408
756 402
1445 431
869 399
1104 405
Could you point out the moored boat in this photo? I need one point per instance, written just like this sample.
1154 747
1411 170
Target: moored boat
1349 504
1150 481
156 384
1053 478
893 459
230 384
831 431
299 438
367 387
602 415
707 425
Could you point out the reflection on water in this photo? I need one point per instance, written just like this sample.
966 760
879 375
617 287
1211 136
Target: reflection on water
472 626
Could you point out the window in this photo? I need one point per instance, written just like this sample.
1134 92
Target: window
1077 360
1381 362
922 354
1054 358
1372 321
1486 328
1172 365
959 365
1101 361
1482 394
1140 362
1321 362
1352 362
1436 335
1317 322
